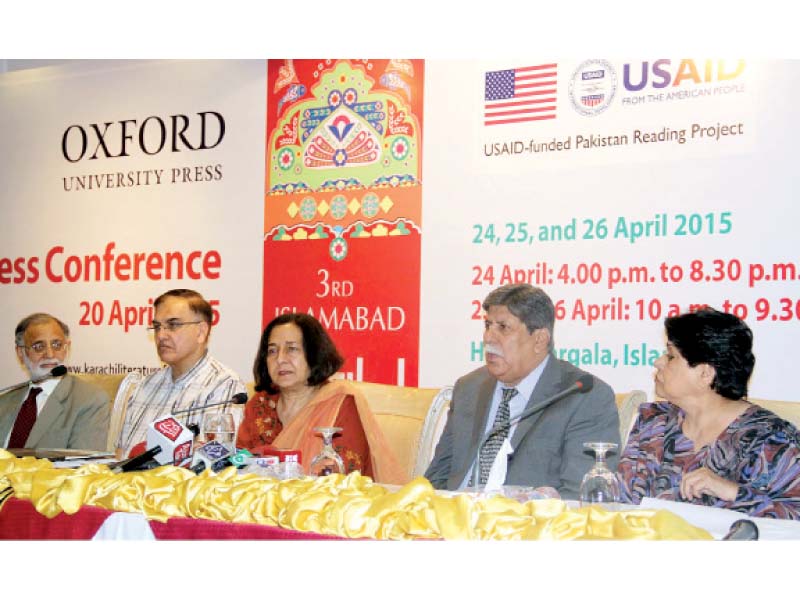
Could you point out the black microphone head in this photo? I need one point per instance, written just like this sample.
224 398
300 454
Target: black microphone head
742 530
585 383
240 398
58 371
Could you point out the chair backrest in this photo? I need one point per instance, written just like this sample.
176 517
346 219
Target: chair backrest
432 429
785 409
400 412
628 407
109 383
119 407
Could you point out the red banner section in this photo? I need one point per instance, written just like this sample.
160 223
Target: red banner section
342 209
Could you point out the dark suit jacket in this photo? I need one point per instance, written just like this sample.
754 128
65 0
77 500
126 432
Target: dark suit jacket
548 446
75 416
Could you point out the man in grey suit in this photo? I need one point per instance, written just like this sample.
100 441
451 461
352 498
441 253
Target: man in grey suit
521 371
58 412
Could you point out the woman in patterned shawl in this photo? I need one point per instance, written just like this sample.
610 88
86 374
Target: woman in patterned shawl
295 359
707 444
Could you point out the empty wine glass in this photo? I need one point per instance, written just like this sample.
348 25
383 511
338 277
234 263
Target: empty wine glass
328 460
220 427
600 486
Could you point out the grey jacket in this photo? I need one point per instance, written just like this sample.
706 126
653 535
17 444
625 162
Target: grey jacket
548 446
76 415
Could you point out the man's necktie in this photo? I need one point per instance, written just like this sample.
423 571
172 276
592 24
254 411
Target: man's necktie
25 420
502 424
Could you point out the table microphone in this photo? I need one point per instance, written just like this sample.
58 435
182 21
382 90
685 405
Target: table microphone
239 398
742 530
583 384
168 443
216 456
135 463
56 371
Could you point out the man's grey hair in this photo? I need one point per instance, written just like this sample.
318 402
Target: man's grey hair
529 304
36 319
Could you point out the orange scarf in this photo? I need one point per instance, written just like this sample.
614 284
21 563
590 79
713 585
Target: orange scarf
322 411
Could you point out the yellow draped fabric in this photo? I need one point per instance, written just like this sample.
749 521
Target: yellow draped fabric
347 506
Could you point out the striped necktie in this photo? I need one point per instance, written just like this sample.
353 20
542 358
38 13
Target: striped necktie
494 443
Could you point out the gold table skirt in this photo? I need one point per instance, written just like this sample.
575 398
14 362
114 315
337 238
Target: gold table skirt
351 506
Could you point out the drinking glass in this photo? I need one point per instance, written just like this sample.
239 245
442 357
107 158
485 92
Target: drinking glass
220 427
328 460
600 486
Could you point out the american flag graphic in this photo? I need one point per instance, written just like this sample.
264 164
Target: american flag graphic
592 100
523 94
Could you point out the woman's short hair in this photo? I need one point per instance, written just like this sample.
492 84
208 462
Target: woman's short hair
719 339
321 354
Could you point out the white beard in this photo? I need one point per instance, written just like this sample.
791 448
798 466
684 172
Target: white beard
36 369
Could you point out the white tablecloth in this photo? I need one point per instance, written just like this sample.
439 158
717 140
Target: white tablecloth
717 521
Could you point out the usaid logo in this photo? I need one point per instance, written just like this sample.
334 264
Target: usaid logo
592 87
664 73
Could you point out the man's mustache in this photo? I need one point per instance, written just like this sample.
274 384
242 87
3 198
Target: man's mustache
489 348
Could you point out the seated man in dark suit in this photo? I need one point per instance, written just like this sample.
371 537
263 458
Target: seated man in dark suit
57 412
521 371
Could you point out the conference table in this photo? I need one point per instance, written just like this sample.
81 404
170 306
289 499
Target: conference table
40 501
19 520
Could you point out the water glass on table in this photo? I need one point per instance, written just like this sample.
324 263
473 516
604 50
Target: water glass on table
600 486
220 427
328 461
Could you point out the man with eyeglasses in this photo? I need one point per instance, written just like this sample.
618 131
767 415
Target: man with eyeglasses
191 378
56 412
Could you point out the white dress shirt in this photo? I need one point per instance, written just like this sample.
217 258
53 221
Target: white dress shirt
516 405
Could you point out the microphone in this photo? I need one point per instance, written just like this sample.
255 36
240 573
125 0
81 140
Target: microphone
168 442
137 462
742 530
56 371
217 456
208 455
239 398
583 384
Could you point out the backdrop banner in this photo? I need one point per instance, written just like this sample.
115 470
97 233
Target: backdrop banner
122 180
342 225
628 189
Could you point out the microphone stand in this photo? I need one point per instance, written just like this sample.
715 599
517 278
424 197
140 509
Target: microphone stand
55 372
240 398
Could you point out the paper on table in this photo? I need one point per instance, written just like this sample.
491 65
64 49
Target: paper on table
718 521
74 463
497 474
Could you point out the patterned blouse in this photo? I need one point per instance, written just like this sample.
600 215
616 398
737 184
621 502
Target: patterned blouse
758 450
261 425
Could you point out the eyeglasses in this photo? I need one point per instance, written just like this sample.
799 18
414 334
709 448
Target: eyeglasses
40 347
170 325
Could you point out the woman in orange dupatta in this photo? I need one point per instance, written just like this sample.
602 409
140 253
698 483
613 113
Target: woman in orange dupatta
295 359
